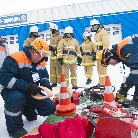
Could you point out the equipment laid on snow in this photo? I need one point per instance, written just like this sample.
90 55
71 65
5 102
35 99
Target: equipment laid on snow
109 119
94 93
118 127
128 103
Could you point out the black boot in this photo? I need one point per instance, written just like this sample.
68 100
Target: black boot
100 86
54 85
19 133
75 87
88 81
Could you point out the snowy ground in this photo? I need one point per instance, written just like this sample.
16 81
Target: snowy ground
116 79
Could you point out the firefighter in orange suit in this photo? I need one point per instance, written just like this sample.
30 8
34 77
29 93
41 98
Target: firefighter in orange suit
32 36
88 56
68 52
55 67
102 41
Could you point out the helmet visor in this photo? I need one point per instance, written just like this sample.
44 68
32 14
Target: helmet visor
94 28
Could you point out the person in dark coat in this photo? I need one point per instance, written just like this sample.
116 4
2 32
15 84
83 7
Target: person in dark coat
127 53
20 75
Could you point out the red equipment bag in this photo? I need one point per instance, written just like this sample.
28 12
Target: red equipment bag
113 127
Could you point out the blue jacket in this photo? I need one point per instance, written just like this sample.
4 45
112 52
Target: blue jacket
17 69
127 53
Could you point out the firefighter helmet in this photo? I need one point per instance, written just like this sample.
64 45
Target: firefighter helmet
105 56
94 22
34 29
53 26
68 30
86 34
40 46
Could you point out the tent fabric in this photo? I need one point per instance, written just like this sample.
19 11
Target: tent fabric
77 127
69 128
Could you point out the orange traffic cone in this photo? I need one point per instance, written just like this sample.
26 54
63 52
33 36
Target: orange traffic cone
108 94
65 107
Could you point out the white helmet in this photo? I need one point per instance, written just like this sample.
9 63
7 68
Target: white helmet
94 21
86 34
68 30
53 26
34 29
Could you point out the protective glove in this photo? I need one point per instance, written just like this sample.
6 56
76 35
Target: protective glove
33 89
122 92
48 86
94 56
46 59
60 61
79 61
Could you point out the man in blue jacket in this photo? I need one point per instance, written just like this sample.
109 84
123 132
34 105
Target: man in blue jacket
20 76
127 53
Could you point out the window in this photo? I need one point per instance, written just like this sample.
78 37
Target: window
47 39
11 38
115 30
11 42
47 35
108 30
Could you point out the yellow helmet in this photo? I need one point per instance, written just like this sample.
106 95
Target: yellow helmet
40 46
104 57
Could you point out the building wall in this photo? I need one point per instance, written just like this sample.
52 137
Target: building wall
19 26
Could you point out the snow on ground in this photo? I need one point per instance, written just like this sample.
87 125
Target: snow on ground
116 79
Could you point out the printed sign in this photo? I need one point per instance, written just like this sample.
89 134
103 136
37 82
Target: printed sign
13 19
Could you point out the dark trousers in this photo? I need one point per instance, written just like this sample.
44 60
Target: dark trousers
17 103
